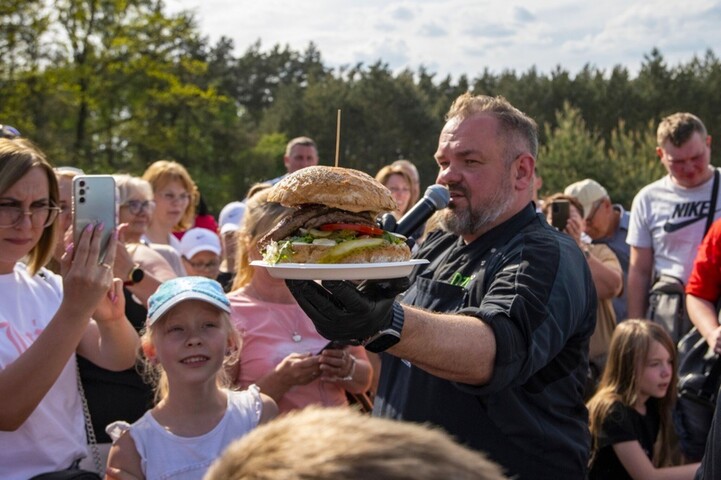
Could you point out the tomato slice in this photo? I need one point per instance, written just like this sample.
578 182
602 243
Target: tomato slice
364 229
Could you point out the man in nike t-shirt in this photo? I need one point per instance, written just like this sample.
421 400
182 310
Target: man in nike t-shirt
668 216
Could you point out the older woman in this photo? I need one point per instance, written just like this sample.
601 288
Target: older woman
175 196
282 353
137 207
45 320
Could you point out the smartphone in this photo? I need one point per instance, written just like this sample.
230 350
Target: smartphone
559 214
95 201
333 344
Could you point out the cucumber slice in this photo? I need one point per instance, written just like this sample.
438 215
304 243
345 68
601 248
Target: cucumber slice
345 248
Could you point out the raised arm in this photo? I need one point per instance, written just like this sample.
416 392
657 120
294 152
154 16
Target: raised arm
27 380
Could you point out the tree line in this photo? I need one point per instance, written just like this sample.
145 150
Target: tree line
111 86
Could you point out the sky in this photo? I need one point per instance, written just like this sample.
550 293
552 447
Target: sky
454 37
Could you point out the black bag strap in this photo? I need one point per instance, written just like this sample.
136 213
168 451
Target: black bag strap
714 197
711 384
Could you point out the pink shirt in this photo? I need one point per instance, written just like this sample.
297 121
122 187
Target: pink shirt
267 330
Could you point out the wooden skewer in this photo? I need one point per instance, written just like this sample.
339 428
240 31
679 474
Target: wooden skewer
337 139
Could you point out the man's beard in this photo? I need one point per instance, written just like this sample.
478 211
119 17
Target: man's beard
470 221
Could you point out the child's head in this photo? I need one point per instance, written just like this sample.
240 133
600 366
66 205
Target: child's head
200 250
639 352
188 332
641 364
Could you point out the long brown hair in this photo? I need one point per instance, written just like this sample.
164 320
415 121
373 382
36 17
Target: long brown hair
627 354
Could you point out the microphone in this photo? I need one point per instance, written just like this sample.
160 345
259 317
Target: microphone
435 198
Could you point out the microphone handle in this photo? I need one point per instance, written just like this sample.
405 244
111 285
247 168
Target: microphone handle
415 217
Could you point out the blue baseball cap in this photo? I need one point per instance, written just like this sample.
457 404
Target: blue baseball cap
172 292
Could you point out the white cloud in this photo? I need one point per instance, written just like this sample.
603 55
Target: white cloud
459 36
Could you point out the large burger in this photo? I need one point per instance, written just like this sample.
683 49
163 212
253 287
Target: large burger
334 220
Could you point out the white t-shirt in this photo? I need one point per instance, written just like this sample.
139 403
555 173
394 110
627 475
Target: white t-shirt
165 455
671 220
53 437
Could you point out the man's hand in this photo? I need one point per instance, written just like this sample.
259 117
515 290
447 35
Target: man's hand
340 311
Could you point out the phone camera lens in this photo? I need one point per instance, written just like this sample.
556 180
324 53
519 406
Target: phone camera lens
82 183
82 191
82 200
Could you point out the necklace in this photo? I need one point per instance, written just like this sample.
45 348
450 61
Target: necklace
294 335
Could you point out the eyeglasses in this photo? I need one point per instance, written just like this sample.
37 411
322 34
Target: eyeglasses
211 265
172 198
40 216
6 131
137 206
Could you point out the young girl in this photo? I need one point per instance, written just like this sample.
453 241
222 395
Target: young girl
188 340
630 413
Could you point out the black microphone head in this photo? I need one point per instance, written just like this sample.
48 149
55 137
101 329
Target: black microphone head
438 195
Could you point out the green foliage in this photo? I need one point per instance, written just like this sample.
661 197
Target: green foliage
113 85
623 165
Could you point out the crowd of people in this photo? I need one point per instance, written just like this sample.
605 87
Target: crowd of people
534 344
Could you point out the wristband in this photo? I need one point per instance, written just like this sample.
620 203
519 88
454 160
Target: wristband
349 377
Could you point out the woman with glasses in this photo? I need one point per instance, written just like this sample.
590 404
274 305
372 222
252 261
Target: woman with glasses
45 320
397 180
175 196
201 251
137 209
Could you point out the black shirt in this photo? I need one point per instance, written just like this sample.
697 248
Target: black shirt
532 285
623 424
112 395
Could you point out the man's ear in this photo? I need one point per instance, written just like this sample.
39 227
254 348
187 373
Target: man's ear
524 167
659 152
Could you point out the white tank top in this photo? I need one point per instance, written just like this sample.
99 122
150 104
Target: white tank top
165 455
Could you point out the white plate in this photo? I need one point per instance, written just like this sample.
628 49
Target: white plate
340 271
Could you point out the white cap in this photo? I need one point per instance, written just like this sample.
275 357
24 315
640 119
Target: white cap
230 217
199 240
587 192
176 290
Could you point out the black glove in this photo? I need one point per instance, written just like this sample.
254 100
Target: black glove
340 311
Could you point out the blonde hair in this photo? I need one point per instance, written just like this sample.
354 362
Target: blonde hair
389 170
17 157
627 354
412 173
153 372
678 128
330 443
161 173
260 217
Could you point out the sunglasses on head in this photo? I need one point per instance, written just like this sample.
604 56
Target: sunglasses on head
7 131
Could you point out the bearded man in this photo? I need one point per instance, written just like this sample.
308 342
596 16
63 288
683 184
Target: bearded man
490 342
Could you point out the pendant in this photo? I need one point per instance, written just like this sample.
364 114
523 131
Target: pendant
296 337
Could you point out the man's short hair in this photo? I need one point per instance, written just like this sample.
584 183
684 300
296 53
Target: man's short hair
330 443
304 141
521 130
678 128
